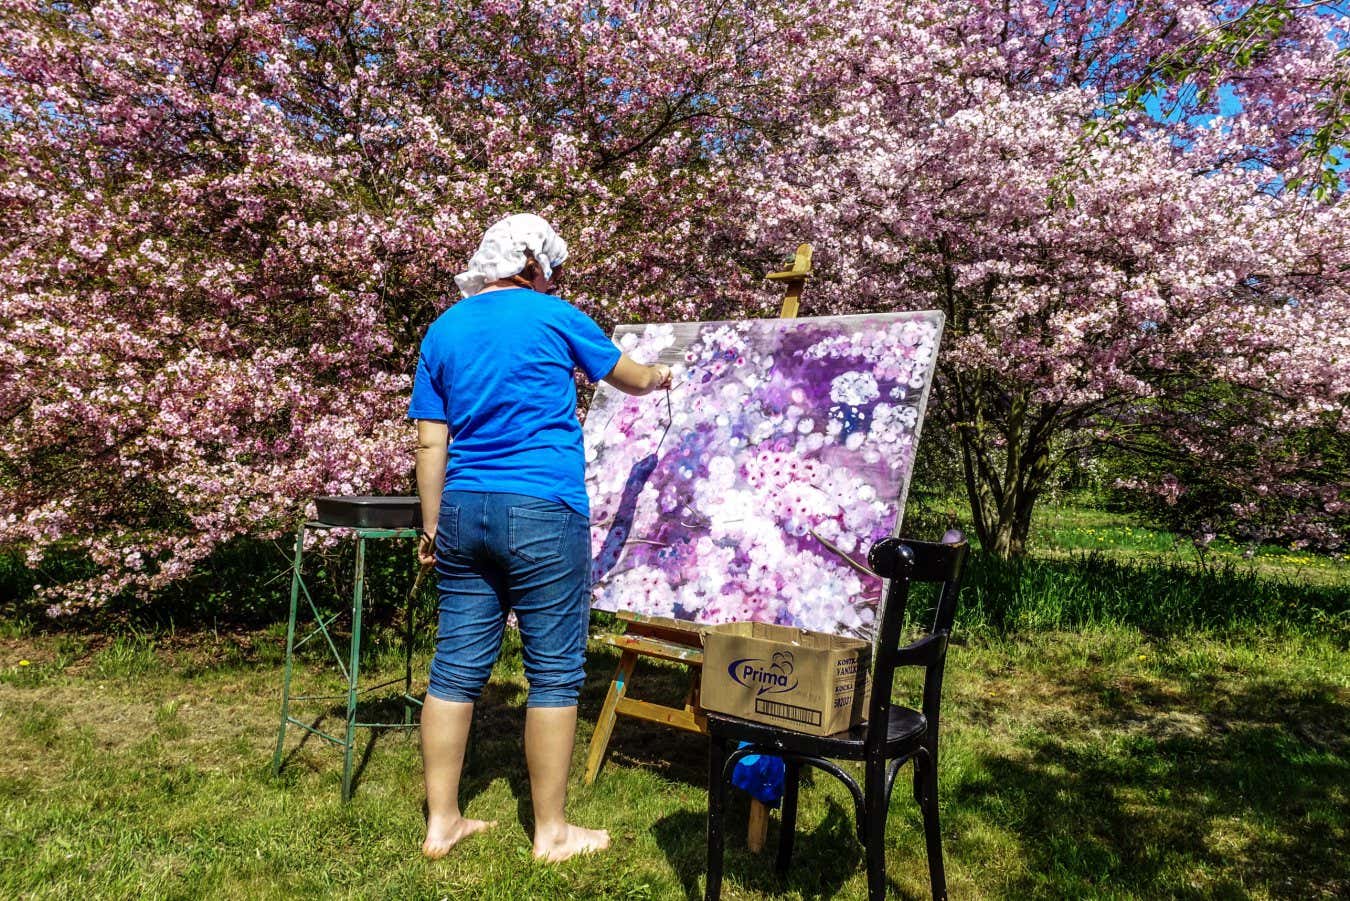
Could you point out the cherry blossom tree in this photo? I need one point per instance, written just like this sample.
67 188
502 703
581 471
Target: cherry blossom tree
1091 273
1237 40
224 225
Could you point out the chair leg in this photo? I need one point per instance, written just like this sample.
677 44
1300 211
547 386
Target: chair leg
926 781
874 828
792 777
717 792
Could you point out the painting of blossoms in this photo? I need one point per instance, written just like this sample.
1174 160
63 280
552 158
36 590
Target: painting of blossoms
754 487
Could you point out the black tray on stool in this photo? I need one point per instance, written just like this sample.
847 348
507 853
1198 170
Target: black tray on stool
369 512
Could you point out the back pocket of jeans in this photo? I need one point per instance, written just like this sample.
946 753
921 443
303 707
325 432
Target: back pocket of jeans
535 535
447 530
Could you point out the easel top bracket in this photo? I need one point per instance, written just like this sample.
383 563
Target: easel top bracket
795 278
801 267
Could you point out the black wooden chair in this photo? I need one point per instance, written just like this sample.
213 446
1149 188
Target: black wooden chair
906 734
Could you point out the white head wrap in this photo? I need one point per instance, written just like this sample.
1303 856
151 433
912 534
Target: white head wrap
506 246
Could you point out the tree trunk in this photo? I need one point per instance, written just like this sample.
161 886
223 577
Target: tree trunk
1005 435
1006 461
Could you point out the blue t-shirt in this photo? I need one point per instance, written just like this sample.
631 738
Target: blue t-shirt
497 369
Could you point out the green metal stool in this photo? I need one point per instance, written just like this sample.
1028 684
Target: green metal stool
351 669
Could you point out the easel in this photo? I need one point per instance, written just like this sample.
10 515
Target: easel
661 638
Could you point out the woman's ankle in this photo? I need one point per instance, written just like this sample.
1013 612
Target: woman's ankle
550 832
452 815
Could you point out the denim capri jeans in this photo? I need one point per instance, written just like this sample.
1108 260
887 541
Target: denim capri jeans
497 552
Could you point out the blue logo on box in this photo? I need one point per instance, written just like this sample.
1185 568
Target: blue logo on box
773 676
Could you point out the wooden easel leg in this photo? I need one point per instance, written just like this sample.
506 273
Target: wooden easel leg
604 723
758 829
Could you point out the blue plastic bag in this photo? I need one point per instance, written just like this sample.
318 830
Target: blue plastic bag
761 775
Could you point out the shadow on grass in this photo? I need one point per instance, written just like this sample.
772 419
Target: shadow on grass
333 721
670 753
1216 793
1212 785
823 860
497 750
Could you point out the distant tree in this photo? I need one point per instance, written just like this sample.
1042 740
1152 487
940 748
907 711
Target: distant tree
1206 461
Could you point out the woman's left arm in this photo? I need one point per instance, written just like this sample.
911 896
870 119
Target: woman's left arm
433 439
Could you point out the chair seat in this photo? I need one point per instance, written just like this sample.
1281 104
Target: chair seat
903 732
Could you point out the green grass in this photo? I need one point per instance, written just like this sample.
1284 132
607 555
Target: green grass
1161 598
1092 567
1092 764
1122 720
1079 525
1068 529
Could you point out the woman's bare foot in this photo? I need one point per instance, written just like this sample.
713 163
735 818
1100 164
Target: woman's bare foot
569 841
444 834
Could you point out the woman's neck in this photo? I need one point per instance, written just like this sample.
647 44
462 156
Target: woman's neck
504 283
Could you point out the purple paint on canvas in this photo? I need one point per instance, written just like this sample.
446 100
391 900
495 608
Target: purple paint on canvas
753 491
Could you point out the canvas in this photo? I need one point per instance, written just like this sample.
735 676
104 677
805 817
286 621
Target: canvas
752 490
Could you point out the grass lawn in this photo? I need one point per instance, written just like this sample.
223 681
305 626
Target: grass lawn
1098 763
1120 722
1068 529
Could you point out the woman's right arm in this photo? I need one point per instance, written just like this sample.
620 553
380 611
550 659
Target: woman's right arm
634 378
433 439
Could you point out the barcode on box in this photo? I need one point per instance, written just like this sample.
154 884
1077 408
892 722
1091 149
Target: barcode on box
803 715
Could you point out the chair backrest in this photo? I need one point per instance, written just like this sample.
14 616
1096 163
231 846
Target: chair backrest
904 562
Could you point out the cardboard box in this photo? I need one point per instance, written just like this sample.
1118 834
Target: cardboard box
804 681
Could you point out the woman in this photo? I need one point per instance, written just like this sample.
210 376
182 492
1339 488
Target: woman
505 516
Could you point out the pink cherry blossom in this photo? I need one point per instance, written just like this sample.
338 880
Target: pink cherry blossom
225 224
